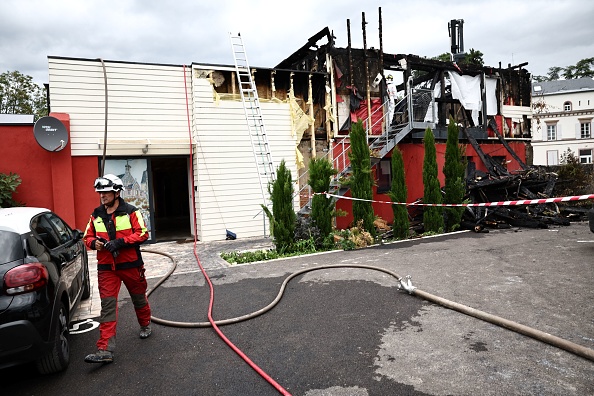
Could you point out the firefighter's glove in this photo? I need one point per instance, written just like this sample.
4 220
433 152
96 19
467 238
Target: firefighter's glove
115 245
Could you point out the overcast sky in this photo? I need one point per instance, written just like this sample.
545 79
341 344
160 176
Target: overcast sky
544 33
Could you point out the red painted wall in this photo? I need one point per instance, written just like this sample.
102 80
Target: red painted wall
21 154
413 157
53 180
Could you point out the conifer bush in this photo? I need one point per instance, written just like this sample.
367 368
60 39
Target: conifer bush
432 215
322 208
398 193
453 170
361 180
283 217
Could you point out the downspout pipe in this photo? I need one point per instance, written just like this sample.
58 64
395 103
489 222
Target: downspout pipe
106 111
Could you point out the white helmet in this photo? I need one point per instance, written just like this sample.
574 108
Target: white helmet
108 182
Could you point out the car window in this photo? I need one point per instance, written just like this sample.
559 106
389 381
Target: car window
64 232
11 247
42 226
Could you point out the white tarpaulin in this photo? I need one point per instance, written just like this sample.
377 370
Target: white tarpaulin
467 90
491 87
431 115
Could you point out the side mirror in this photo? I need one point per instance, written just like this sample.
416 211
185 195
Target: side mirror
78 234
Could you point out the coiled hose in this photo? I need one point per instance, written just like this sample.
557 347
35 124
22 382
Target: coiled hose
402 283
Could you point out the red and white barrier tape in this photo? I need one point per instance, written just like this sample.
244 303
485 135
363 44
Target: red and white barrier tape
499 203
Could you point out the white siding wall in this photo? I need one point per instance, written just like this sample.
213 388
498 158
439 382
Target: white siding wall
146 104
229 194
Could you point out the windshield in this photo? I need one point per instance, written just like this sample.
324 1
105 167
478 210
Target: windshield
11 247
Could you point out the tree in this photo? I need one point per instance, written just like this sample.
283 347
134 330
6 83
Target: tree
584 68
283 217
453 171
398 193
361 180
322 208
20 95
473 58
432 217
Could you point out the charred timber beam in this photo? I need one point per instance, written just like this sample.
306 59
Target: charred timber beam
518 219
490 163
550 185
493 126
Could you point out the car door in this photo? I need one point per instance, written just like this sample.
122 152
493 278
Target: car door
68 250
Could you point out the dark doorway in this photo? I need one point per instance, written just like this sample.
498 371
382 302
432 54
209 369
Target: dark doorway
170 198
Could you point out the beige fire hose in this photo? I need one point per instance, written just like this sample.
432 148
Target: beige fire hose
403 283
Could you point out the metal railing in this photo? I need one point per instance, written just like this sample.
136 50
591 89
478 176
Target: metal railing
414 110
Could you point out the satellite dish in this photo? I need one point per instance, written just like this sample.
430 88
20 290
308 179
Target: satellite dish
50 133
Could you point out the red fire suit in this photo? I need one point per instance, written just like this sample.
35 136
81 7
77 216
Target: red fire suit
127 226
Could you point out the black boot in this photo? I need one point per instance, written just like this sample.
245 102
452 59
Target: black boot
101 356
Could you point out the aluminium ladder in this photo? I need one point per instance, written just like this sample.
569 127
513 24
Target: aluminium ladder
253 115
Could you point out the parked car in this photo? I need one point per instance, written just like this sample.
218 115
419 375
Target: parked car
44 274
591 219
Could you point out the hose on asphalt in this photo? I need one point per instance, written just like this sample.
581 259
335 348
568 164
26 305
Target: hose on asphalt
403 283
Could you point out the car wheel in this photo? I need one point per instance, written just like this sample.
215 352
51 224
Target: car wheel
58 357
86 293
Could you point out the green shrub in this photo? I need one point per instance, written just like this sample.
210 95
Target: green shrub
453 170
283 217
398 193
432 215
322 208
8 185
361 182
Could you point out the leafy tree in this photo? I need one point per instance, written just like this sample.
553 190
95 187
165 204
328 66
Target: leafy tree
584 68
473 58
361 180
432 217
283 217
445 57
398 193
20 95
554 73
322 208
453 171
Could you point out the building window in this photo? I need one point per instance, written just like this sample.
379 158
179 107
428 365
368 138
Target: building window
585 130
567 106
552 157
551 131
585 156
384 176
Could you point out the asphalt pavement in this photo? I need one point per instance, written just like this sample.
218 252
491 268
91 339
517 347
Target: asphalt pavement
351 331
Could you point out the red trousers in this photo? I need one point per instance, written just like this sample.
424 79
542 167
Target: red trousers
109 288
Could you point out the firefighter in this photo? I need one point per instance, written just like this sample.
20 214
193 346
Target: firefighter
115 230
